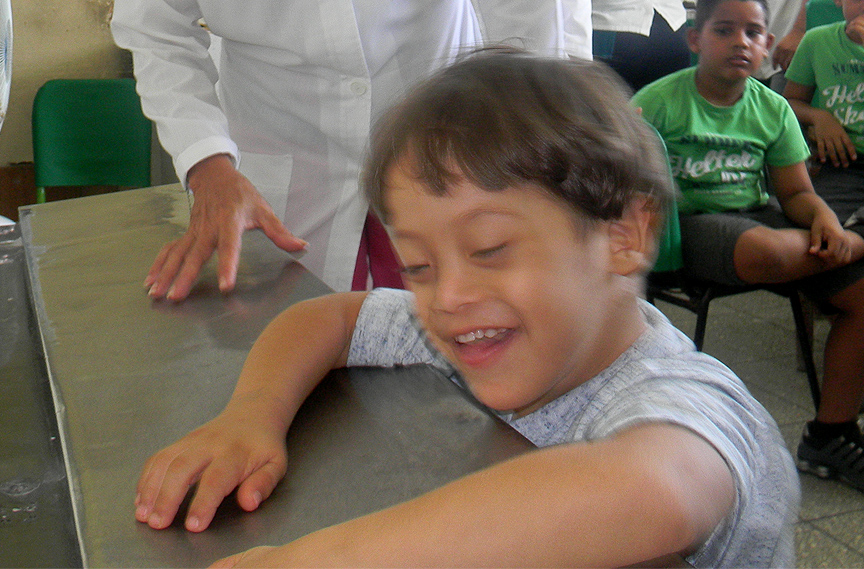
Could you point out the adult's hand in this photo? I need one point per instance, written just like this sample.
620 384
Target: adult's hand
225 205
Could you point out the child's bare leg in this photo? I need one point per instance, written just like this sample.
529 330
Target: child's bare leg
766 255
843 381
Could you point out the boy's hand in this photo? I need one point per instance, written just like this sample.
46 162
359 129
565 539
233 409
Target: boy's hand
832 141
855 30
785 49
829 241
237 449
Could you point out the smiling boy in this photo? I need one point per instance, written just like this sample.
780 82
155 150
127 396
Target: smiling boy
523 197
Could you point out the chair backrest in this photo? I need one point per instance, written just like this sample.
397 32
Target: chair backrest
669 242
90 132
821 12
669 245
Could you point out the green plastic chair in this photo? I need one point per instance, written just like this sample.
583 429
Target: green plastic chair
821 12
90 132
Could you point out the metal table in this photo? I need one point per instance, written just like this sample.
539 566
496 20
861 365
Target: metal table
129 375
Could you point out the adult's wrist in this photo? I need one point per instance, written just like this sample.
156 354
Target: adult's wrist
215 165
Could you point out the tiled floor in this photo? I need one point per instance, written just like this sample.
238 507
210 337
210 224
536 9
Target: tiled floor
754 335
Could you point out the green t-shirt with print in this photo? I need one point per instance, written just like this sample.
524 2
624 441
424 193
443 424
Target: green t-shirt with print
832 63
718 154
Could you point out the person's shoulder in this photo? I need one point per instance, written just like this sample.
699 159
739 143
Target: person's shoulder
654 97
825 31
764 97
823 37
670 82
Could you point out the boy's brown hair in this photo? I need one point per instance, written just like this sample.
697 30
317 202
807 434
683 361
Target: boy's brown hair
502 118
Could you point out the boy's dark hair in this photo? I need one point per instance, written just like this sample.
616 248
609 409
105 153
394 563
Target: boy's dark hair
502 118
705 9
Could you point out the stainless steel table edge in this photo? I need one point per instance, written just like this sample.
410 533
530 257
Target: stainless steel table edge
59 408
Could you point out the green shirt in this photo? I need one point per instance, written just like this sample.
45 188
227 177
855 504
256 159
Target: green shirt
832 63
718 154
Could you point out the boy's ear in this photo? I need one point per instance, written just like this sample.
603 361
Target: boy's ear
632 238
693 40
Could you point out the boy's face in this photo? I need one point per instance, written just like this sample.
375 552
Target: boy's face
733 41
507 288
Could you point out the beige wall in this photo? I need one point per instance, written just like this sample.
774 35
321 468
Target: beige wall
54 39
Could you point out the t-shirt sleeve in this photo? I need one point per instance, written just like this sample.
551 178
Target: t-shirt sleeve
387 334
709 412
801 69
746 439
790 146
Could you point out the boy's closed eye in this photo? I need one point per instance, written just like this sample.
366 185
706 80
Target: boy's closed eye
414 272
490 252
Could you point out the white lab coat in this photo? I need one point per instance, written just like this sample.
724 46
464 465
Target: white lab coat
299 83
635 16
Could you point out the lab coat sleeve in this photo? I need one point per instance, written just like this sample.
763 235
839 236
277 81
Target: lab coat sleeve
176 77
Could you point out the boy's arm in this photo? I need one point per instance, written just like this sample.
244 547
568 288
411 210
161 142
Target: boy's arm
652 490
244 447
832 141
828 240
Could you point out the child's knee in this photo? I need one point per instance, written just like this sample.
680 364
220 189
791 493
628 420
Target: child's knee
766 253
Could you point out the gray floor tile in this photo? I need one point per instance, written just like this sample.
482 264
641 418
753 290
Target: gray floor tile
818 549
845 528
824 498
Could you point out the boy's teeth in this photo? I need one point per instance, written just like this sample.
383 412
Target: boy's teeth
479 335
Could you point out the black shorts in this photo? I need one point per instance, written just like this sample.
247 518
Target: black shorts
708 248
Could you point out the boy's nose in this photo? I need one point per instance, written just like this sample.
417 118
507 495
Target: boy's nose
455 288
740 37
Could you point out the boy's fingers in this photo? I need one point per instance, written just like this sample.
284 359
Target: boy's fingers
150 484
816 240
217 481
851 151
182 472
259 486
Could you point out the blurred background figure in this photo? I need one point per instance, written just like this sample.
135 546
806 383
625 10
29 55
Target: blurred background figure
275 129
642 40
787 22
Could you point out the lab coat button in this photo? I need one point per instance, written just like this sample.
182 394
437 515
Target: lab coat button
358 88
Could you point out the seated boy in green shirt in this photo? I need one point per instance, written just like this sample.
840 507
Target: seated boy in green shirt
722 129
825 88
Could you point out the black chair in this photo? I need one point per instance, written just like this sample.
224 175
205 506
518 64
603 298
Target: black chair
696 296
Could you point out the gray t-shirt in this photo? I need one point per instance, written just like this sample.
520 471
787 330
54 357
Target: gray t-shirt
661 377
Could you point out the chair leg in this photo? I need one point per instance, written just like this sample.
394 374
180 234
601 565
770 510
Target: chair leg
805 345
702 317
